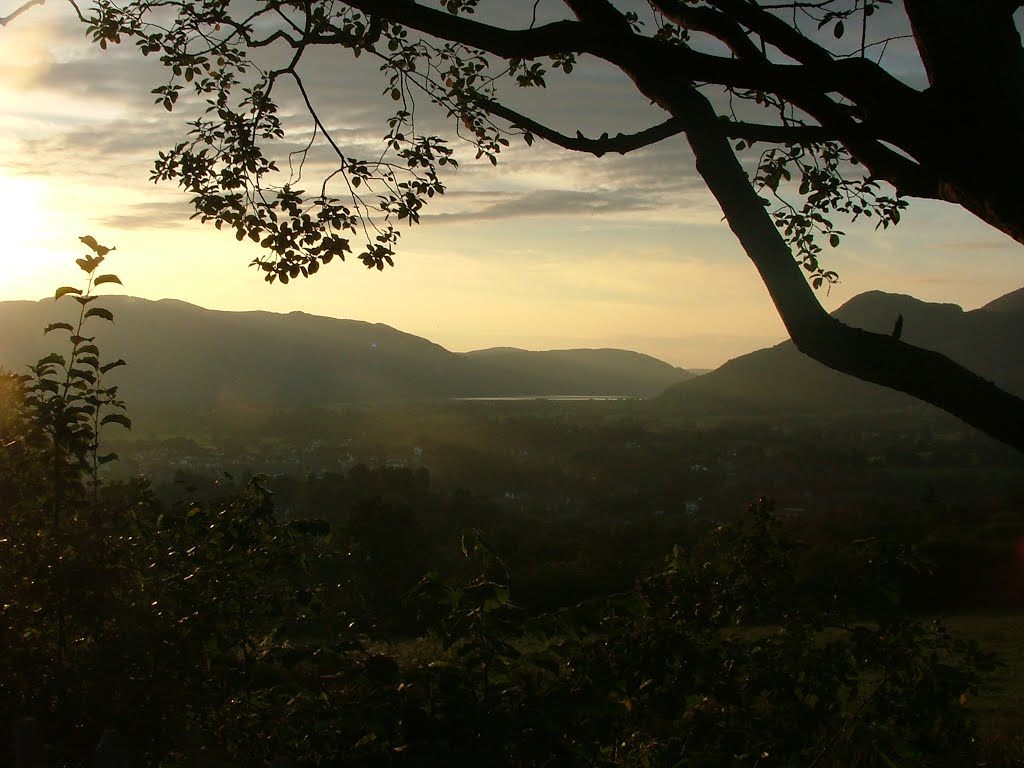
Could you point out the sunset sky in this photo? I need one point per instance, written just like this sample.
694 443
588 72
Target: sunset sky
548 250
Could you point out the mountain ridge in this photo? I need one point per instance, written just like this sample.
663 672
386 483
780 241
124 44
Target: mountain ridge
183 354
780 379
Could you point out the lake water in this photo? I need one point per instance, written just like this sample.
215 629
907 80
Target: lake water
549 397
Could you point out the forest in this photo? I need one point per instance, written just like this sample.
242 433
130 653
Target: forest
509 583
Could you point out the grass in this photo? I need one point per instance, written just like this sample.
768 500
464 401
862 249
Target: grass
999 705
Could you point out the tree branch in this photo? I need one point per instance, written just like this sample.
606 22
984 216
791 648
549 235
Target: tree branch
556 37
877 358
775 32
776 134
600 32
906 175
717 24
5 20
621 143
861 80
600 13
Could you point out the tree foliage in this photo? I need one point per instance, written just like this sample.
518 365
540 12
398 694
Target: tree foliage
219 629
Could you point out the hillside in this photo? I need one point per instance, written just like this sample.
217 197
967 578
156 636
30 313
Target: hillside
183 355
780 379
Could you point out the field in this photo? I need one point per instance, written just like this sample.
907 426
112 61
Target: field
1000 705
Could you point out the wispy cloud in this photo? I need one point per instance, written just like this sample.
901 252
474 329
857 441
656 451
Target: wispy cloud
966 246
549 202
153 215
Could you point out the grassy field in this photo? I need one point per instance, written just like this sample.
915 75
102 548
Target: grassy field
1000 704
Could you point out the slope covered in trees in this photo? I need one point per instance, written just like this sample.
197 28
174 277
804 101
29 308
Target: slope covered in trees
301 360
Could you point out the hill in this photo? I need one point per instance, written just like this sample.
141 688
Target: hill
780 379
1011 302
183 355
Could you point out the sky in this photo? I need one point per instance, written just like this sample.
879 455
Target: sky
548 250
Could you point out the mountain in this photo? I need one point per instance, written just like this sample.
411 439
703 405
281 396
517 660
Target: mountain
573 371
1011 302
182 355
781 379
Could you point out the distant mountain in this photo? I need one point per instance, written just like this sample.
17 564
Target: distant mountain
183 355
574 371
1011 302
782 379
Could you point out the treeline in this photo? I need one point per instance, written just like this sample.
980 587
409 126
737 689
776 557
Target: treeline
970 557
219 630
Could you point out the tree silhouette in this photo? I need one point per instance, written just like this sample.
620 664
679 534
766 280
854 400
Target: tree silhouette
839 134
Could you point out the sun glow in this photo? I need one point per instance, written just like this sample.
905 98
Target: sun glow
30 251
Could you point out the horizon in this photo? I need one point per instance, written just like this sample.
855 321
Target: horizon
688 368
681 365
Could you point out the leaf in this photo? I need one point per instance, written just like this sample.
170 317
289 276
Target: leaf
108 457
839 29
53 357
107 279
55 326
117 418
111 366
90 241
106 314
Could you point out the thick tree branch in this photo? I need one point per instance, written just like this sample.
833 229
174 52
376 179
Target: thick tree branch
974 53
600 32
600 13
776 134
5 20
717 24
621 143
775 32
861 80
557 37
881 359
975 64
906 175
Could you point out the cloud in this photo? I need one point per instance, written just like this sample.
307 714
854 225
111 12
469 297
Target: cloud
548 202
98 122
154 215
966 246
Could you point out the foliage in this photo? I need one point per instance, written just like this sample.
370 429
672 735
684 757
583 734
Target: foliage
229 164
218 628
65 396
718 661
57 576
